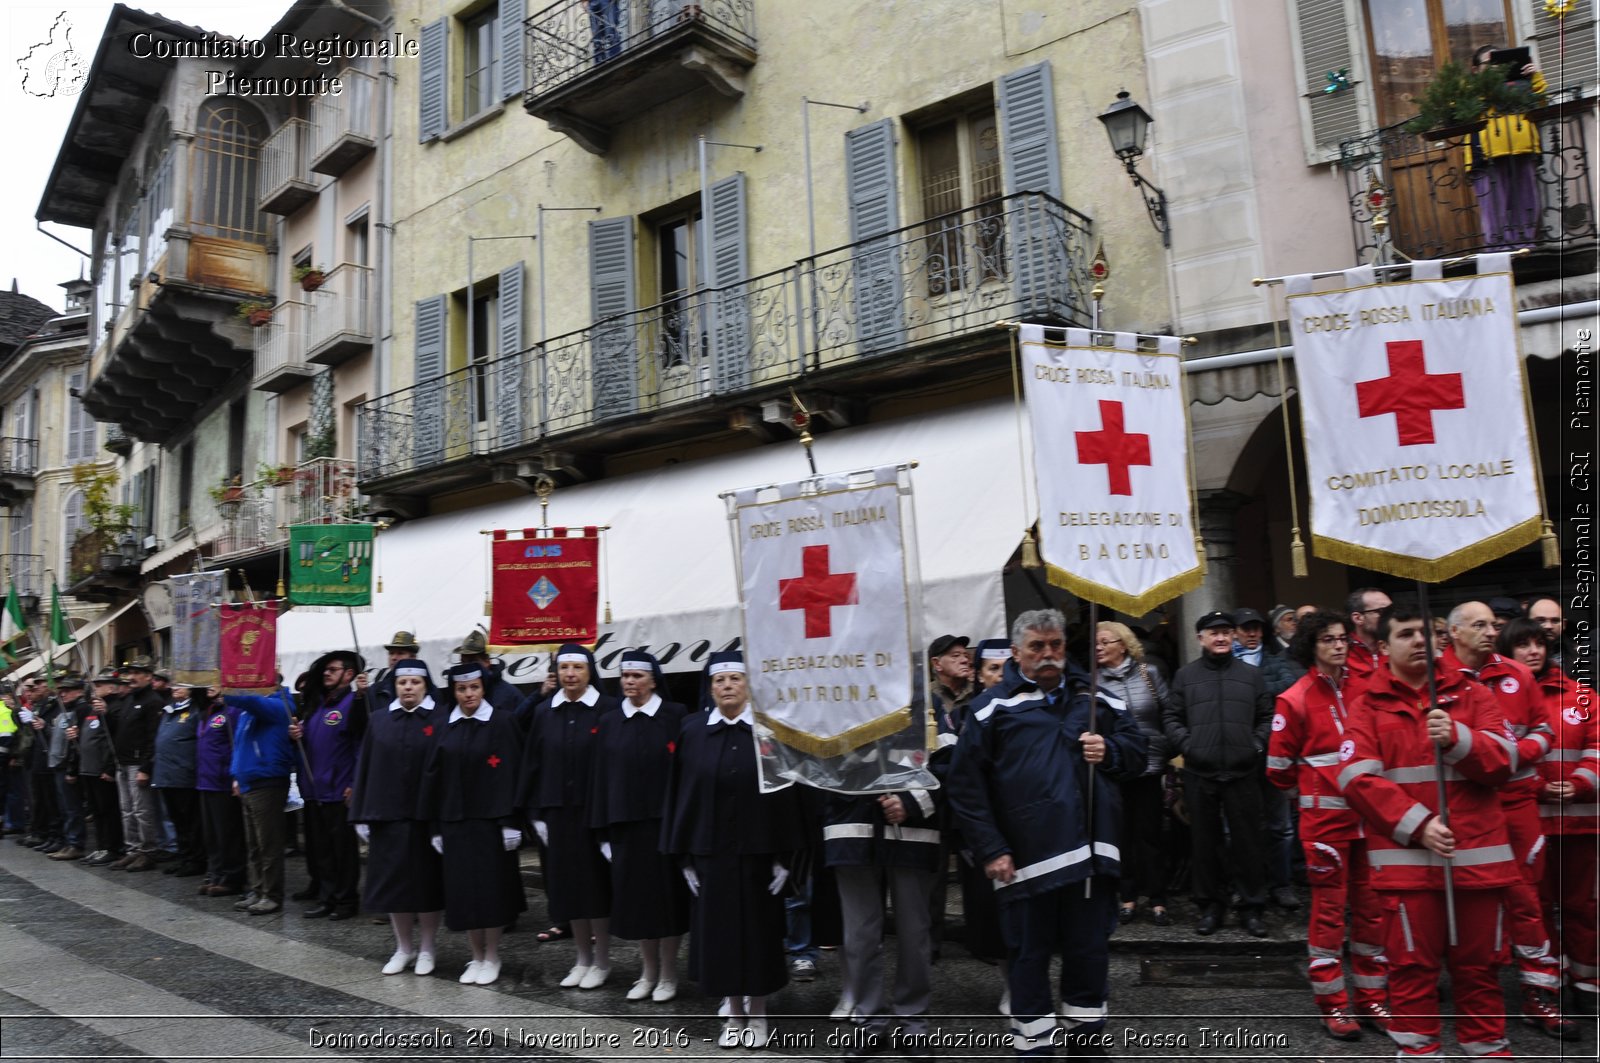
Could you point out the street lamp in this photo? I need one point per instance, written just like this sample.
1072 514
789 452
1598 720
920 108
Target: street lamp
1127 124
30 604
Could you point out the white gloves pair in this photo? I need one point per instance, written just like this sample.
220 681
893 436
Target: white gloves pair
780 875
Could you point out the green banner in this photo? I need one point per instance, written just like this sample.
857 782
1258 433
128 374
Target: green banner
330 564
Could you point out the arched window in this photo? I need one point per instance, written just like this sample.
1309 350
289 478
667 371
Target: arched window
73 522
227 158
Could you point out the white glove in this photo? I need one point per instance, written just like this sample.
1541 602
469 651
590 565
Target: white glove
693 880
542 829
511 837
437 841
780 875
605 851
25 716
363 832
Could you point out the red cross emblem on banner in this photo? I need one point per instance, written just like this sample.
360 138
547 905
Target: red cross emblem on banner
1117 450
816 591
493 761
1410 392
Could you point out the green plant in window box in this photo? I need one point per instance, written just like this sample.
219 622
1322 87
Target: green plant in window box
1457 101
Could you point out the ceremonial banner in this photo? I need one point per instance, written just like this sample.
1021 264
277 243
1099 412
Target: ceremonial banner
195 628
546 587
1415 420
330 564
827 588
1111 465
249 647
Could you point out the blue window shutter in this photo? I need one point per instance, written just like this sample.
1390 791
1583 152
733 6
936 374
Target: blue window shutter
433 80
508 394
873 197
428 407
1028 131
614 366
513 73
730 298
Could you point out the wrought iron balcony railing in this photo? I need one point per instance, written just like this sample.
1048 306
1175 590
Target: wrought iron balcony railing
568 39
18 456
914 289
317 491
1433 188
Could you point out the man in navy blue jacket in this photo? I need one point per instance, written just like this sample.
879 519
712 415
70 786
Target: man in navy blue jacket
262 762
1020 788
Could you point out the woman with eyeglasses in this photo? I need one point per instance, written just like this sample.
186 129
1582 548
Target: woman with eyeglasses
1303 753
1125 675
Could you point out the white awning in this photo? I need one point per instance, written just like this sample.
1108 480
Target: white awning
667 566
84 633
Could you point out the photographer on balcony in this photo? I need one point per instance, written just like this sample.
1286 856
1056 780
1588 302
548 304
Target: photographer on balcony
1503 164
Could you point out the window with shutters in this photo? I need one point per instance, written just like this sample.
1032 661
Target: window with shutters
484 322
479 62
679 257
80 426
959 177
22 528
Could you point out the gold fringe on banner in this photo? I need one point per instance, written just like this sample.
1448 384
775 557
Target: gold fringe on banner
838 745
1434 570
1133 605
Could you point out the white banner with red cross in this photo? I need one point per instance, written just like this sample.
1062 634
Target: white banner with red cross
1414 414
1111 465
827 595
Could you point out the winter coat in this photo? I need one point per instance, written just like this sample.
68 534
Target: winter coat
1217 717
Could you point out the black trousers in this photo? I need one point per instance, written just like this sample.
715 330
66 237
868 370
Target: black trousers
46 821
332 854
183 808
1225 832
222 831
100 797
1144 814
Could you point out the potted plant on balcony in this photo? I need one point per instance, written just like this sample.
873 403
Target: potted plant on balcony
275 475
106 519
1458 101
257 314
310 277
227 495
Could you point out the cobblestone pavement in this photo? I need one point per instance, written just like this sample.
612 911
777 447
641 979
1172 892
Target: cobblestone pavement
103 965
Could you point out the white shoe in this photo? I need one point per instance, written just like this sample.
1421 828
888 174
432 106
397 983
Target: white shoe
732 1034
399 961
664 992
470 975
723 1009
843 1010
488 971
1005 1003
641 989
424 963
574 977
755 1033
596 978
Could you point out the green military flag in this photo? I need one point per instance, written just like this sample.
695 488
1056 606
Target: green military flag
60 633
330 564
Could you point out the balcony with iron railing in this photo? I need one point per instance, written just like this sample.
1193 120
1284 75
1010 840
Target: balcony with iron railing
317 491
281 349
340 322
19 461
344 127
1425 189
594 64
900 306
104 564
26 571
285 182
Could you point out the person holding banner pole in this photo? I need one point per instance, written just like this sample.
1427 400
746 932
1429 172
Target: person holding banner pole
1022 763
404 876
555 790
735 845
469 796
1404 743
634 750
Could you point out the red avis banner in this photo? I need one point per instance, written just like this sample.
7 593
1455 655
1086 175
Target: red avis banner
249 647
546 586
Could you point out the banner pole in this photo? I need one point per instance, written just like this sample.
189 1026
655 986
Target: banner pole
1094 697
1438 761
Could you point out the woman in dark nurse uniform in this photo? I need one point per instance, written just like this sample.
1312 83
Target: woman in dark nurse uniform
404 876
469 795
649 899
734 844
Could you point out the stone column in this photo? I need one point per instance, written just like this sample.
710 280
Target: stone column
1217 510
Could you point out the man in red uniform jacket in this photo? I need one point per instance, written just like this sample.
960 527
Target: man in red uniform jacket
1364 605
1310 725
1570 774
1390 774
1527 738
